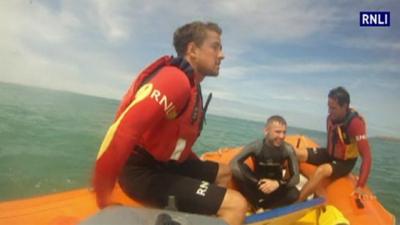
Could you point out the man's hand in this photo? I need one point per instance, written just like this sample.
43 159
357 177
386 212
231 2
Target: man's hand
268 186
360 194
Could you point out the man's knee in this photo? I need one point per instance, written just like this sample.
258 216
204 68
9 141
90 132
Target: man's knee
234 201
324 170
224 175
301 154
233 208
224 170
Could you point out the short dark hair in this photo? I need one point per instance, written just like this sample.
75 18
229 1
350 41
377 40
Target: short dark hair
195 31
275 118
340 95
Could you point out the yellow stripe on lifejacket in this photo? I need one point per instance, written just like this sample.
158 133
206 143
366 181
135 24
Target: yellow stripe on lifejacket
351 150
339 131
143 92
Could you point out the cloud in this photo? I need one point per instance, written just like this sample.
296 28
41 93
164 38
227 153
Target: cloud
276 20
49 48
112 20
279 55
372 43
307 68
77 42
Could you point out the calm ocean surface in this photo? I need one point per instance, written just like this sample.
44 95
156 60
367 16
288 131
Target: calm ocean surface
49 140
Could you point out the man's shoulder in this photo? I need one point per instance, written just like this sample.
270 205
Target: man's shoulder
357 121
171 77
356 126
174 74
255 145
287 147
258 142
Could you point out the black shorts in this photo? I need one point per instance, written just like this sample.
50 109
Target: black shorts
340 168
191 183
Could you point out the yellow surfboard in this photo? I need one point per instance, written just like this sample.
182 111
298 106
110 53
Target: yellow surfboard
285 215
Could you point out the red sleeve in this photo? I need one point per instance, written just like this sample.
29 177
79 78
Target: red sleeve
170 83
357 130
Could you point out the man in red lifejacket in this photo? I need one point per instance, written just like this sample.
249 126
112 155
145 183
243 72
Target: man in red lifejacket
148 148
346 140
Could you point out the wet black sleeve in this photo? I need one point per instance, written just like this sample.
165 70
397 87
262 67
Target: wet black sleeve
293 164
240 170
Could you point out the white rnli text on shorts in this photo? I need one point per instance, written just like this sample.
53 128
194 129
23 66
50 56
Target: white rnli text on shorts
203 188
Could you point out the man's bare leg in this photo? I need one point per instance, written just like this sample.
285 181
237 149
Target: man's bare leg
323 171
233 208
224 175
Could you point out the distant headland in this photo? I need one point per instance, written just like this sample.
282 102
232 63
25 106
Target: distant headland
387 138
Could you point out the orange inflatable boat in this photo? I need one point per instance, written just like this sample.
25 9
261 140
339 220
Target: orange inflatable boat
74 206
338 193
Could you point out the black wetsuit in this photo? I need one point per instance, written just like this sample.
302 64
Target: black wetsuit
268 163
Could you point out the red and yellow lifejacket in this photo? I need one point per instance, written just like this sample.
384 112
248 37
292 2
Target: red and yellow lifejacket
174 137
341 145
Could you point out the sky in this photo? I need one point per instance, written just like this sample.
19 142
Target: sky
281 57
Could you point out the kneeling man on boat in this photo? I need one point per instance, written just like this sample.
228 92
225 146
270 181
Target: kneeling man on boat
148 148
266 186
347 139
